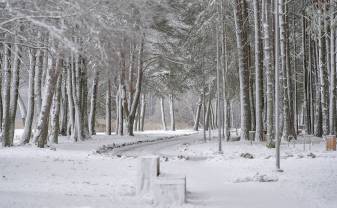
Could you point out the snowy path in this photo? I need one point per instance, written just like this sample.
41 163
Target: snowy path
155 148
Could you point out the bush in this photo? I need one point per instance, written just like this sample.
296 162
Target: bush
270 145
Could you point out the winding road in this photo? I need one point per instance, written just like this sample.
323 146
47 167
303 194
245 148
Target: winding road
156 147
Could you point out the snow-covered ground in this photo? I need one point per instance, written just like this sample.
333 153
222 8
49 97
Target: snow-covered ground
229 180
75 175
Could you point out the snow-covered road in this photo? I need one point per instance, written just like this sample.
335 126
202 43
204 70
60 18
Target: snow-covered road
157 147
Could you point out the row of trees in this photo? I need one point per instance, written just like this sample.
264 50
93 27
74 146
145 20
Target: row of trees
81 58
74 59
285 60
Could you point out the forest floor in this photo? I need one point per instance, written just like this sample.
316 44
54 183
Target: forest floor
77 175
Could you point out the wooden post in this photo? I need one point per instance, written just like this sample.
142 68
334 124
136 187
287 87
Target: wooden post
330 143
148 168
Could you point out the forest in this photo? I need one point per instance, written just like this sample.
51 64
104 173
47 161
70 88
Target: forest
103 83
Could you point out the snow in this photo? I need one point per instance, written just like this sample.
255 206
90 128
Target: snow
240 182
74 175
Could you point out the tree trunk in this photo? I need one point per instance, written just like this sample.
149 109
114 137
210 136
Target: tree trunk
23 109
290 87
258 74
64 104
76 81
332 113
162 110
84 98
220 92
278 3
30 113
295 77
204 108
120 130
208 111
311 84
173 122
76 87
131 75
108 108
318 95
197 115
228 120
269 75
224 49
212 119
55 112
117 111
14 90
40 68
130 115
283 57
70 76
242 44
251 90
323 74
6 141
93 103
121 92
142 113
41 131
306 104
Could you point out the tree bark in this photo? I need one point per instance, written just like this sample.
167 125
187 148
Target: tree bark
23 109
41 131
323 74
162 110
227 120
131 75
220 93
276 56
130 115
197 115
318 95
332 113
76 82
14 90
258 73
269 75
172 113
41 69
108 108
70 76
64 104
30 113
242 44
306 104
93 103
284 70
6 141
290 87
55 112
84 98
142 113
